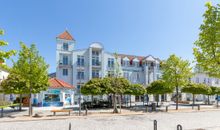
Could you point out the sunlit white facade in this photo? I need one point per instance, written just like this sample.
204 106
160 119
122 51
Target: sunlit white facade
77 66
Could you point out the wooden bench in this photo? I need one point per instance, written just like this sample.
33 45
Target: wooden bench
62 110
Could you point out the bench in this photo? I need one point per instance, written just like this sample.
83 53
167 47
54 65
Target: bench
62 110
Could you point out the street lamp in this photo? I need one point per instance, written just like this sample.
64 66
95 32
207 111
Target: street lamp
79 87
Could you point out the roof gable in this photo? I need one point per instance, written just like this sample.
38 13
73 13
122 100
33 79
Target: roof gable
65 35
150 58
56 83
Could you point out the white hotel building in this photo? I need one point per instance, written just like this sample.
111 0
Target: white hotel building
77 66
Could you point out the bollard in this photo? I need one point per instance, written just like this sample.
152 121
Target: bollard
166 108
146 108
86 110
198 107
69 126
155 124
2 112
153 106
179 127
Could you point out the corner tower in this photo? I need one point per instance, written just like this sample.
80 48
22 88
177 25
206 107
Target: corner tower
65 44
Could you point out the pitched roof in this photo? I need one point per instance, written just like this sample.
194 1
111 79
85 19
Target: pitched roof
56 83
131 57
65 35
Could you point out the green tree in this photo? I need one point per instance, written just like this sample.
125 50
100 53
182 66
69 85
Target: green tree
109 85
196 89
93 87
136 90
213 91
176 73
207 47
32 68
217 92
159 87
5 54
116 86
14 84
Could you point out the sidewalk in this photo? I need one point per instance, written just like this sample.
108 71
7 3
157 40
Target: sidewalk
44 113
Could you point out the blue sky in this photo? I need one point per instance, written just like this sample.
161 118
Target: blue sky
138 27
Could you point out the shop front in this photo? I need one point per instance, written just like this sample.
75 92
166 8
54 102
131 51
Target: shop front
59 93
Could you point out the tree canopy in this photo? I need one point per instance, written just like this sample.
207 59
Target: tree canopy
94 87
116 85
136 89
159 87
14 84
32 69
176 73
206 50
196 88
5 54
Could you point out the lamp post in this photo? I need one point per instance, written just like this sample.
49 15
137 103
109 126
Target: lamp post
79 99
81 76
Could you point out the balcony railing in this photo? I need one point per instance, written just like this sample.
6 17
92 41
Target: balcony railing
96 63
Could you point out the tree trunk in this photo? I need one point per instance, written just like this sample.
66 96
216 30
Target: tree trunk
147 97
177 97
193 101
130 101
157 96
120 102
115 107
208 100
20 105
30 104
217 101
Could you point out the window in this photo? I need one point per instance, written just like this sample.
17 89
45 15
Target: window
209 80
197 80
95 61
65 60
95 53
138 77
110 73
80 60
216 81
136 64
158 67
95 58
95 73
80 75
52 98
158 77
65 72
126 63
204 81
110 62
65 46
78 89
126 75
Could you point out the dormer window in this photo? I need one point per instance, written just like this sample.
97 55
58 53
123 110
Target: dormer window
65 46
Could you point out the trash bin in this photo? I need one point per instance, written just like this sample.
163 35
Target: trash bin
153 106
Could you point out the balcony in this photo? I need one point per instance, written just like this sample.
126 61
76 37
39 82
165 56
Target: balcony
64 65
95 76
96 64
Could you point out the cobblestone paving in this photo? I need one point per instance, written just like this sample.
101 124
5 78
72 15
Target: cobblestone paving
209 120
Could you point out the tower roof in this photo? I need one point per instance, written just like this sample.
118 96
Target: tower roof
65 35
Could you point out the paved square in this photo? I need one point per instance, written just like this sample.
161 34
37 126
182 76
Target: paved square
208 120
